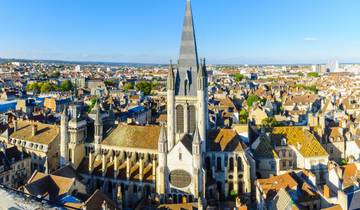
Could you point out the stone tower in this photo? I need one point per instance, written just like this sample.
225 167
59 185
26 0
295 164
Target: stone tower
187 89
187 119
78 134
64 139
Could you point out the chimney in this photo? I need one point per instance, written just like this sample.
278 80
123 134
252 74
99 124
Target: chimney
34 129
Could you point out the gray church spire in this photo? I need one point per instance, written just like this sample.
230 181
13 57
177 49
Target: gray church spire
188 60
188 51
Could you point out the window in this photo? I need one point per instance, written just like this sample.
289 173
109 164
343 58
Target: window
179 119
284 163
192 118
7 178
180 155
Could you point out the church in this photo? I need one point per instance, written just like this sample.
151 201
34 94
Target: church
181 161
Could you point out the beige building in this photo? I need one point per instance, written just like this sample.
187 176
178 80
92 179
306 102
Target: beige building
40 141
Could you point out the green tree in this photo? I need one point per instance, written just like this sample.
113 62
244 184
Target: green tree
251 99
239 77
270 122
243 115
55 74
300 74
313 74
144 87
66 85
128 86
46 87
110 82
233 195
92 104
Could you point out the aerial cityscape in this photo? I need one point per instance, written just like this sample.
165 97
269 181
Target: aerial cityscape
188 133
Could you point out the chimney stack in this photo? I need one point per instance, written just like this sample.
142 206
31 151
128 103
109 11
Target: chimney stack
34 129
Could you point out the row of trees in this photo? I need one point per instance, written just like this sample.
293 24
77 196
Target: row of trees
145 87
45 87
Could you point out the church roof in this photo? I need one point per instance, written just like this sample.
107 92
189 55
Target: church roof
225 140
133 136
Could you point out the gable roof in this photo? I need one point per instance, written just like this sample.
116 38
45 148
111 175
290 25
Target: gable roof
47 184
301 138
224 140
45 134
264 149
96 201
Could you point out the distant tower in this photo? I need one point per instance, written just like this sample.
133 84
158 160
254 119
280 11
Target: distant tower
162 167
64 139
98 128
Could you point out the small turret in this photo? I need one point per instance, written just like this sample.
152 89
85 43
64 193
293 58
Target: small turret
202 76
196 143
162 141
162 167
171 78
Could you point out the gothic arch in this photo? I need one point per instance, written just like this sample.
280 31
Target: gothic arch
192 118
179 119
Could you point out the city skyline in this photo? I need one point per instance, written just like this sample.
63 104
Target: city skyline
272 33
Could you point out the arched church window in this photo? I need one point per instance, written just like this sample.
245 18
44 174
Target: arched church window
192 118
179 119
185 87
231 164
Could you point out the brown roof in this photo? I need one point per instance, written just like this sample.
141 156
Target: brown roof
299 137
96 201
275 183
225 140
349 174
45 133
133 136
43 185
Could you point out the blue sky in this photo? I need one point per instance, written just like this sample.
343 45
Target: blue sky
228 31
